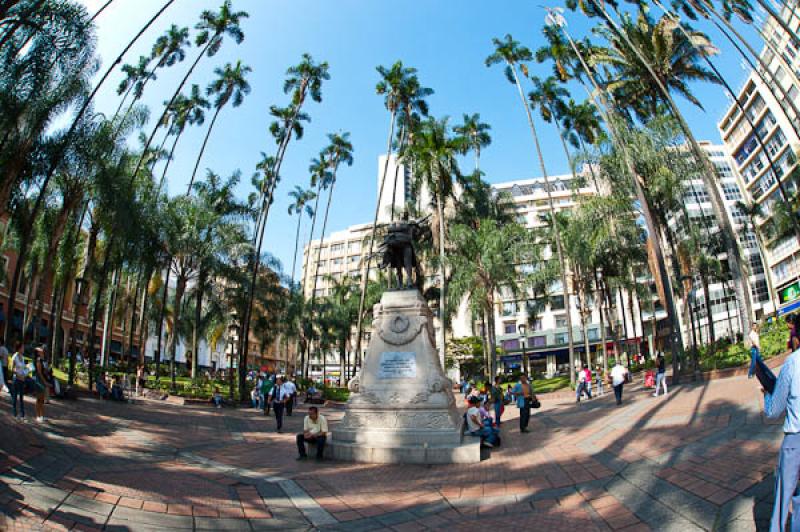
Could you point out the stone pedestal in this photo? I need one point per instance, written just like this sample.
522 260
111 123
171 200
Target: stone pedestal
401 408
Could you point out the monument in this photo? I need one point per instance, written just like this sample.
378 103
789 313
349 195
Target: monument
401 407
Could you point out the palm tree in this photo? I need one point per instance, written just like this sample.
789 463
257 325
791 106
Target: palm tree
484 260
581 127
434 154
647 71
340 150
183 111
303 80
301 197
213 27
230 86
55 161
619 134
473 135
168 50
402 92
514 55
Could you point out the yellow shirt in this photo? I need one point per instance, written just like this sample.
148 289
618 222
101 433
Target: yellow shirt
315 427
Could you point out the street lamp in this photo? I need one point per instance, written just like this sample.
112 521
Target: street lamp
525 366
233 331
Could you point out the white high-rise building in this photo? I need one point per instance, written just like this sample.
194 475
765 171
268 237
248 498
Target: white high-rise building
767 107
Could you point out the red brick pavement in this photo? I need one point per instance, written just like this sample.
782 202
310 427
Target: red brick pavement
172 460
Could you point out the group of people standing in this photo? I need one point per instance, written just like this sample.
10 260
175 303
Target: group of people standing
20 377
617 377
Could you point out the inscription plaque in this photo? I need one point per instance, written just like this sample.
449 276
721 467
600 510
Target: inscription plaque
397 365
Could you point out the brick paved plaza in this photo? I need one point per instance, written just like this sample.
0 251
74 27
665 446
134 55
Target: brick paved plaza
699 459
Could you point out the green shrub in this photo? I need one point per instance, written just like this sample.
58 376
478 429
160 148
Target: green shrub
335 394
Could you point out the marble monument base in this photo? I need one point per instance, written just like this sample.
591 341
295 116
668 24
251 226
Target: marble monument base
401 407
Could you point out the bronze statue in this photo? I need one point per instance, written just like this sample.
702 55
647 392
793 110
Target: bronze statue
398 251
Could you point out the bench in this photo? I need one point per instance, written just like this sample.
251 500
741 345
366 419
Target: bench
315 398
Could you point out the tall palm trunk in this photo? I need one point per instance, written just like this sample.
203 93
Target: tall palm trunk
180 288
96 315
108 322
161 315
557 235
198 315
304 359
492 333
132 329
143 322
443 276
205 142
368 256
296 245
168 161
319 249
261 224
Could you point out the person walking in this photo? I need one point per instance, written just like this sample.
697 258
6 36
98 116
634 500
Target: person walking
661 374
588 381
579 385
523 392
496 395
19 371
39 383
266 388
618 375
292 391
600 377
280 396
785 397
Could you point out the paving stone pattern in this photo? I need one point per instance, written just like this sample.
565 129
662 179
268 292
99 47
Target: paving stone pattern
700 458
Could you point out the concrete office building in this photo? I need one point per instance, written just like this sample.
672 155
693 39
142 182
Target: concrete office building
768 113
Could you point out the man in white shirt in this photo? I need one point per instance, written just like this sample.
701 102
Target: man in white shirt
279 395
18 371
785 397
618 375
315 430
292 390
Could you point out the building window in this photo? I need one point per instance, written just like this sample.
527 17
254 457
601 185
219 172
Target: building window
354 247
538 341
561 322
337 248
732 192
510 327
557 303
509 308
560 338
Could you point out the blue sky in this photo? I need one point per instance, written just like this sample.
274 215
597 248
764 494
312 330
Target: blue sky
446 40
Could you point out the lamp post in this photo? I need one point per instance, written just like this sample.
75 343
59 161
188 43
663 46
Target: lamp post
525 366
233 331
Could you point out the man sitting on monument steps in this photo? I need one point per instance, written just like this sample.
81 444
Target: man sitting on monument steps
315 430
